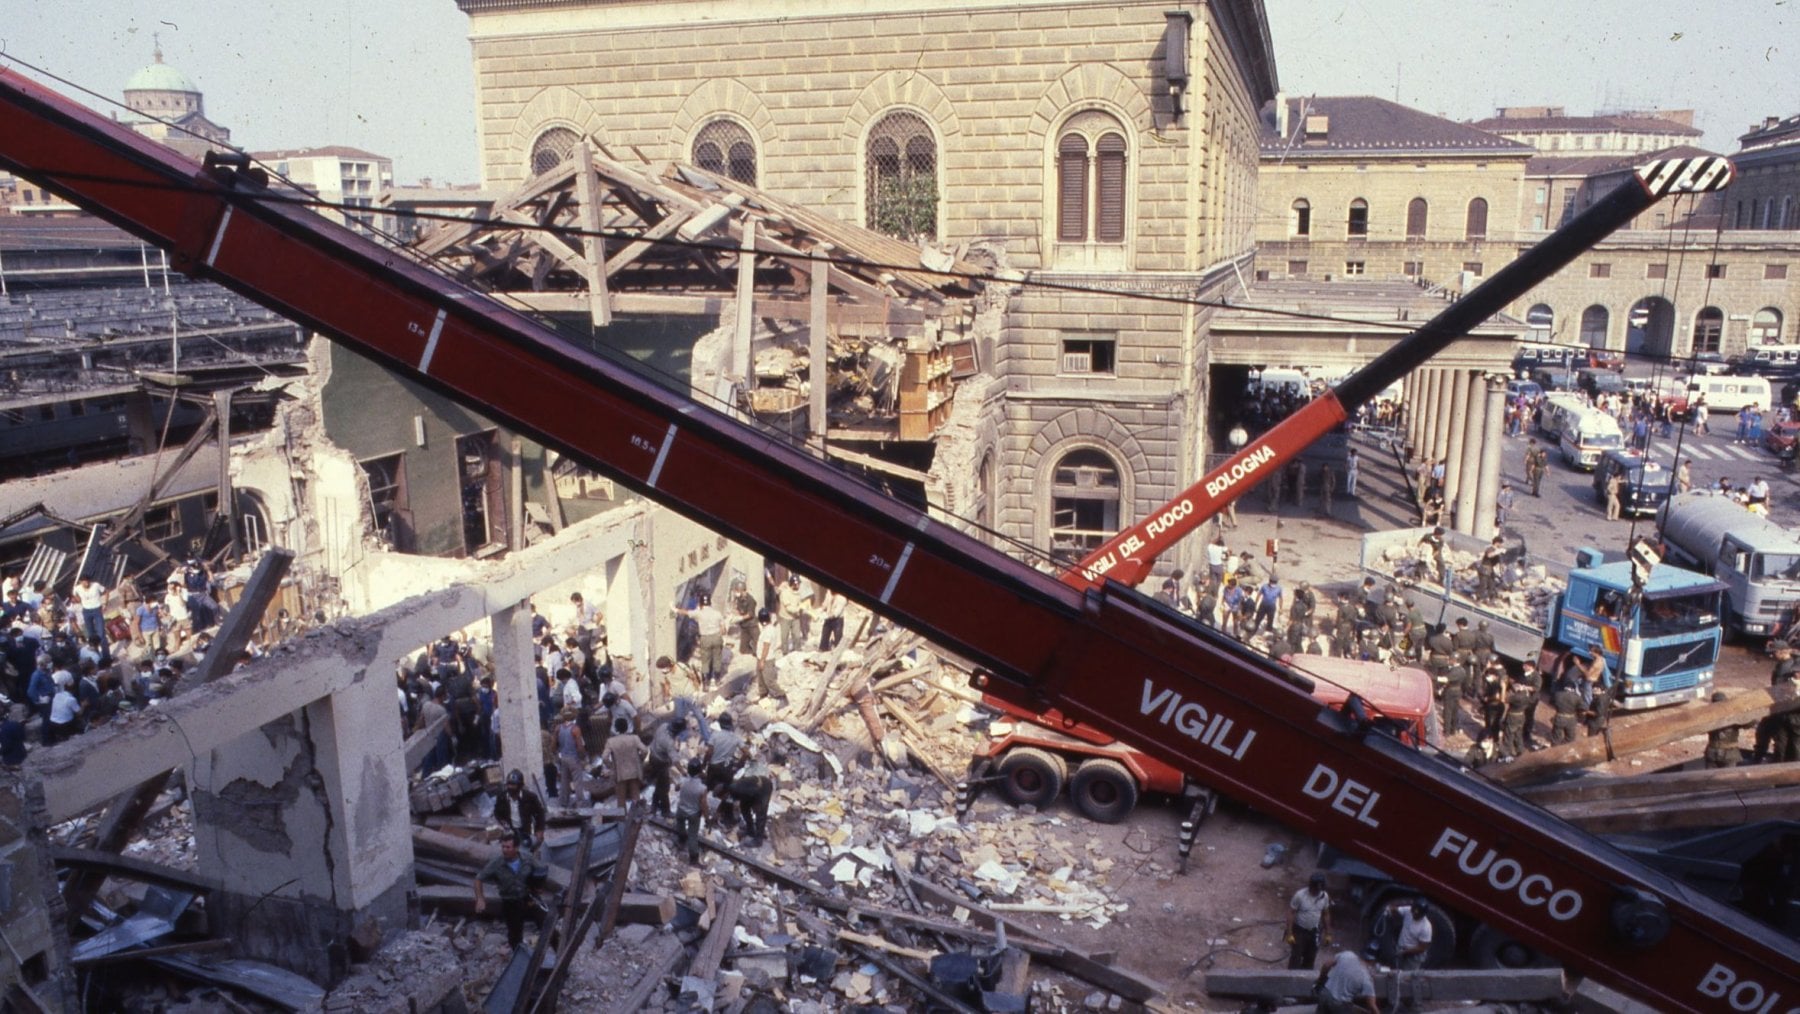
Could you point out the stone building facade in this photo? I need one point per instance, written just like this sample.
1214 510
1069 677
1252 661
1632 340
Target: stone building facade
1355 186
1766 194
1551 130
1107 149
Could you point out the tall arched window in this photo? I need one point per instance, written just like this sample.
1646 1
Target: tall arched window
1709 324
901 183
1594 322
551 148
1300 222
1416 212
1090 180
1765 327
1358 222
1541 319
1476 226
725 147
1084 501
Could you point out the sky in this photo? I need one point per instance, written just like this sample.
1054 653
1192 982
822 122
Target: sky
394 76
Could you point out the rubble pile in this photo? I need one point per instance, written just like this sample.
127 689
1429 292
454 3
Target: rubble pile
1526 592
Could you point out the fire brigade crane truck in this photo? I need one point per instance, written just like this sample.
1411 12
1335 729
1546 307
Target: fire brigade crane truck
1091 647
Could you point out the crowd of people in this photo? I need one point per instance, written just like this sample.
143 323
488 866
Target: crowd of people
77 661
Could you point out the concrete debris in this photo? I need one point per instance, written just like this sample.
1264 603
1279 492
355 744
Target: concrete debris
1526 593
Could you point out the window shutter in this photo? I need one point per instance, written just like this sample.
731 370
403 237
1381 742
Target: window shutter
1109 223
1477 219
1071 189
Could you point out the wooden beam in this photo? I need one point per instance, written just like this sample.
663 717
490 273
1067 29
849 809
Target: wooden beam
817 325
1644 732
707 959
1681 810
645 241
1667 783
663 962
587 195
746 304
871 461
549 242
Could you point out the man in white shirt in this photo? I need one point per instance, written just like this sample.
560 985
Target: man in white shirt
91 595
64 707
1415 936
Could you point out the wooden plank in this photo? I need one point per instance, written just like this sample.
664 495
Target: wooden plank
711 954
1637 733
1679 810
869 460
471 853
818 320
1664 783
600 311
646 240
746 304
1512 985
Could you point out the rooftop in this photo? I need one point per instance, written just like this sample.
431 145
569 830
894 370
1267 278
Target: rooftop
1598 165
1620 122
1366 124
327 151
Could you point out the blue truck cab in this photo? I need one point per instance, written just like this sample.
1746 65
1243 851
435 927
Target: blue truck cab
1663 642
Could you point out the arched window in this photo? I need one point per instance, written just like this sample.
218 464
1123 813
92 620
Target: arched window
1765 327
901 177
1709 324
1476 226
1541 319
1416 212
724 147
1084 501
551 148
1358 222
1090 180
1788 221
1594 322
1300 222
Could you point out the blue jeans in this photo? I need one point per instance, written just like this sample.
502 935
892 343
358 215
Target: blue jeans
93 624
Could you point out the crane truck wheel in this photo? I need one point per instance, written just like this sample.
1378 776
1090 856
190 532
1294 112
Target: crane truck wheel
1031 777
1493 948
1103 791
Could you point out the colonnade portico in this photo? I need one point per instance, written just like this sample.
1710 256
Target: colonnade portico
1457 416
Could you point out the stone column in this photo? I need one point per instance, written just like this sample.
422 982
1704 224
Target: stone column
1487 474
1456 432
515 682
305 823
1441 413
1421 423
1474 425
1409 390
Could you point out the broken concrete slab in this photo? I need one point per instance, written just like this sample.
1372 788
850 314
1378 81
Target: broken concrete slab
1440 985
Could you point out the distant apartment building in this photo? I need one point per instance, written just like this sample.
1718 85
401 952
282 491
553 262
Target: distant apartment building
1552 131
1357 186
1767 192
345 180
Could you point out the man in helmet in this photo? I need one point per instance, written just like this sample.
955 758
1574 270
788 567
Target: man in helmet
790 609
521 811
710 656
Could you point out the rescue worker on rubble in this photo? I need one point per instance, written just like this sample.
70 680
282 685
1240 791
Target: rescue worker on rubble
1301 610
691 808
1487 570
1493 702
751 790
1432 552
743 613
516 878
1464 641
659 763
521 811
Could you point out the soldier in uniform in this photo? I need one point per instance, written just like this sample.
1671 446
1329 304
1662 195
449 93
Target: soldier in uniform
1343 630
1301 610
1568 704
1775 734
1484 644
1722 744
743 608
1493 702
1464 641
1534 680
1440 661
1518 698
1535 462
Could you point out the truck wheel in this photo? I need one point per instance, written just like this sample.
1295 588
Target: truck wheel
1493 948
1030 777
1103 791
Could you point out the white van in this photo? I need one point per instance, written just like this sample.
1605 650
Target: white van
1588 436
1559 411
1277 378
1724 392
